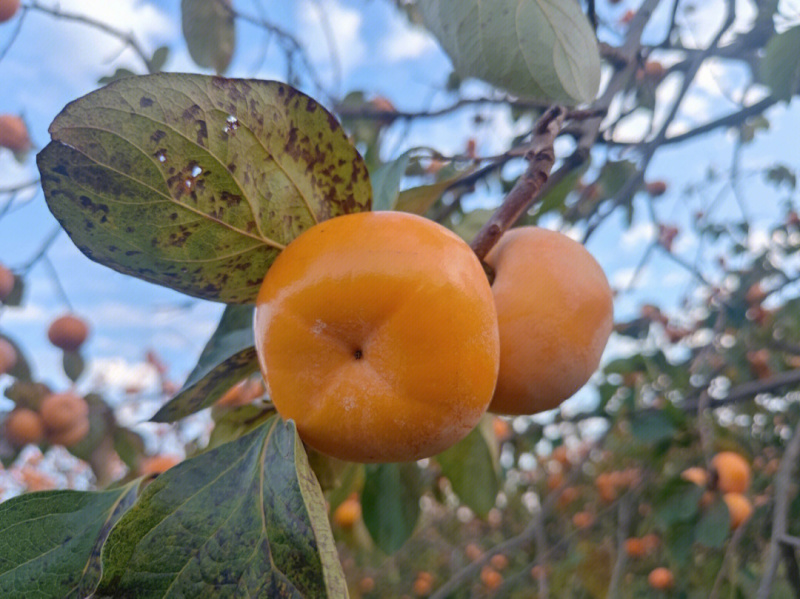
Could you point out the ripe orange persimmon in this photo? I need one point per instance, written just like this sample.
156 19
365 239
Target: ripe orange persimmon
377 334
554 312
14 132
8 8
423 584
347 513
661 579
158 464
8 356
6 282
473 552
242 393
499 562
62 411
739 508
732 471
24 426
695 475
367 584
583 520
72 435
491 578
68 332
501 429
635 548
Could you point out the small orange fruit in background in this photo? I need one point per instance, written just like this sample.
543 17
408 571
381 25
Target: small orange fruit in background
347 513
158 463
733 472
739 508
661 579
491 578
695 475
423 584
499 562
8 356
583 520
635 548
13 131
473 552
555 315
68 332
61 411
24 426
6 282
377 334
70 436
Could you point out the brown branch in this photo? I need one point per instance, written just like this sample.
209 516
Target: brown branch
792 569
540 157
783 486
733 544
623 525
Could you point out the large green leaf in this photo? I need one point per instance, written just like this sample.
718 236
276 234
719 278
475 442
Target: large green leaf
543 49
228 357
386 181
209 29
780 69
714 526
50 542
197 182
470 468
246 519
390 503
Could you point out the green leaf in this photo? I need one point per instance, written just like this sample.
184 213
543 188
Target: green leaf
21 370
228 357
714 526
73 364
120 73
390 503
557 196
196 183
246 519
780 69
680 506
545 49
209 29
230 424
386 182
129 446
50 542
652 427
159 58
470 468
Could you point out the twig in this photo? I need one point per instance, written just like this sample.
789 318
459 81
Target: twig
731 549
783 482
792 569
623 525
541 158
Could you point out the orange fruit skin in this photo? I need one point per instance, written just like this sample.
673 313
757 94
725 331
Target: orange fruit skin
739 508
158 464
499 562
62 411
24 426
733 472
8 356
422 586
377 334
6 282
13 132
491 578
68 332
661 579
71 435
555 314
695 475
635 548
347 513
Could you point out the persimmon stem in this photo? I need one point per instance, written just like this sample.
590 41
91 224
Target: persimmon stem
541 157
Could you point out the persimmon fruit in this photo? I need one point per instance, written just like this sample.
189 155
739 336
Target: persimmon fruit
158 464
13 131
8 356
491 578
739 508
6 282
71 435
661 579
68 332
554 313
377 334
24 426
63 411
732 472
347 513
695 475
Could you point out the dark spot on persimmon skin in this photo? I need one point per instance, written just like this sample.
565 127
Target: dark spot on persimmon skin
358 354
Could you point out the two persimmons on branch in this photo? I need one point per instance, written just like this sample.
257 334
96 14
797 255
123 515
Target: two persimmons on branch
380 335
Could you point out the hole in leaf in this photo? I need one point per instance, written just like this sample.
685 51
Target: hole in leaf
161 156
231 124
196 170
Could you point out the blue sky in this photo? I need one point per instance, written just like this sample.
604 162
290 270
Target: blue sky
378 52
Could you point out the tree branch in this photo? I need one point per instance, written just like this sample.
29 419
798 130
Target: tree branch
783 486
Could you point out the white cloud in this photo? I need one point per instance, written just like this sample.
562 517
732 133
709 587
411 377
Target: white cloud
405 42
345 24
117 374
638 234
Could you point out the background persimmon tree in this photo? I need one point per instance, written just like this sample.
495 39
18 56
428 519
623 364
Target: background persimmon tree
196 181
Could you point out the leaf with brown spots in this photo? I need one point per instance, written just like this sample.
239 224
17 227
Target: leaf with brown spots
195 182
228 357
